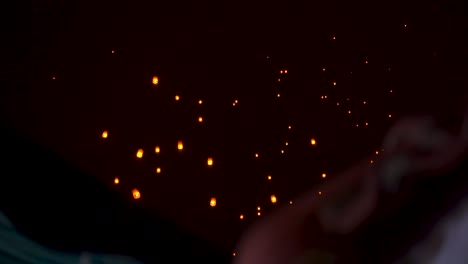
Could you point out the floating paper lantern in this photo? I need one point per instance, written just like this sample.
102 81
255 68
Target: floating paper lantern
256 155
258 213
320 193
158 170
157 149
213 202
116 180
313 142
324 175
104 134
290 202
136 194
200 102
258 208
177 98
241 217
139 153
155 80
334 83
210 162
273 199
200 119
269 177
285 71
180 146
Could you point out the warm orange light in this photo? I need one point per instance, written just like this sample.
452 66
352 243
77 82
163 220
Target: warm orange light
235 101
325 97
281 71
53 78
200 102
287 143
324 175
312 141
404 25
136 194
269 177
177 98
200 119
290 202
279 80
234 254
334 83
390 116
213 202
323 69
367 62
289 127
180 146
377 152
357 125
321 97
364 102
139 153
391 91
210 162
104 134
349 111
258 208
233 104
320 193
155 80
273 199
241 217
157 150
112 52
282 151
256 155
285 71
371 161
158 170
278 95
367 124
258 213
337 103
334 38
116 180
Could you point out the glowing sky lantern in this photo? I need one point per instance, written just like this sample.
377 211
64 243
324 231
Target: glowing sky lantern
285 71
289 127
367 124
278 95
213 202
323 69
210 162
258 208
155 80
235 101
256 155
334 38
258 213
334 83
104 134
116 180
158 170
376 152
180 146
281 71
290 202
200 119
200 102
157 149
273 199
136 194
241 217
139 153
324 175
367 62
269 177
390 116
282 151
313 142
287 143
320 193
177 98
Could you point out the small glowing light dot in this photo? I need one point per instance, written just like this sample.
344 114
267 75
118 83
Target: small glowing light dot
233 104
367 62
389 116
404 25
290 202
321 97
349 111
324 175
388 68
334 38
278 95
180 146
157 149
285 71
281 71
104 134
210 161
279 80
377 152
200 119
155 80
282 151
334 83
323 69
268 57
357 125
177 98
139 153
112 52
325 97
235 101
241 217
269 177
312 141
367 124
347 99
287 143
234 254
289 127
258 208
273 199
200 102
116 180
391 91
53 78
364 102
256 155
158 170
136 194
213 202
371 161
258 213
320 193
337 103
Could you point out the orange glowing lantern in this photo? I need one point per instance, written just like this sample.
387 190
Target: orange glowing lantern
158 170
200 119
256 155
285 71
273 199
210 162
324 175
116 180
313 142
334 83
157 149
258 213
241 217
278 95
139 153
200 102
289 127
269 177
290 202
213 202
258 208
155 80
136 194
281 71
282 151
320 193
180 146
104 134
177 98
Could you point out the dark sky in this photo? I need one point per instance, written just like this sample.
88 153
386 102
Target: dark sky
64 87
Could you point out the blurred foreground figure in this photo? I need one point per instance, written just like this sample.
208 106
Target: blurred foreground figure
410 206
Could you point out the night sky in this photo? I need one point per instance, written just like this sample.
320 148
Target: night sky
78 68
